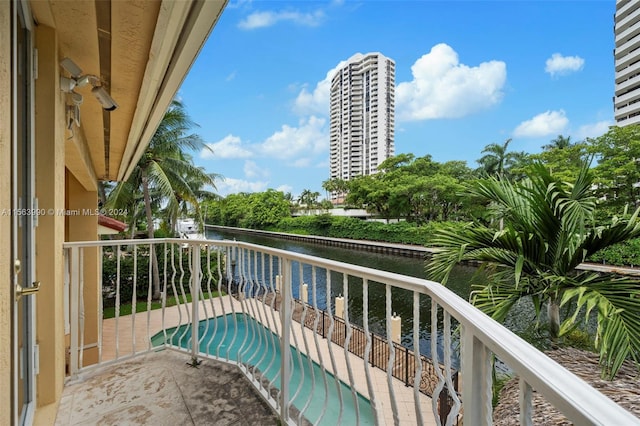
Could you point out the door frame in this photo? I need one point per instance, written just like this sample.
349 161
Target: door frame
24 360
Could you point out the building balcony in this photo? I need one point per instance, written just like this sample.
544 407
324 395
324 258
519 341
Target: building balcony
262 336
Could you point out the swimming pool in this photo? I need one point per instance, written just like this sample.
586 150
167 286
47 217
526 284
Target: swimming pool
241 338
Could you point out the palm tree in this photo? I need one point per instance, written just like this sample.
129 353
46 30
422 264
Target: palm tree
495 159
164 171
560 142
309 198
187 197
335 186
548 232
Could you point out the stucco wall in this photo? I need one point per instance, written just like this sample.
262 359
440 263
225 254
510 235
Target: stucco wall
83 227
50 186
5 203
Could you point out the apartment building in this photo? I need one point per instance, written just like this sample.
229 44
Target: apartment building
362 116
627 62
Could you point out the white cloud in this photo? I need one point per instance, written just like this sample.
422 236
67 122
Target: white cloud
302 162
269 18
310 137
442 87
252 170
563 65
544 124
317 102
231 76
229 147
593 130
238 3
232 186
284 188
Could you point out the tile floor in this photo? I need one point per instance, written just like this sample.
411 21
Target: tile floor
159 388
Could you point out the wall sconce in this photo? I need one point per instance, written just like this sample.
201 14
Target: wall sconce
77 79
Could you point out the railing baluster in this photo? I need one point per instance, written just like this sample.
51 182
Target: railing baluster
243 262
235 255
296 345
75 288
526 408
164 291
117 301
367 348
323 368
202 300
222 277
352 383
149 293
276 323
476 378
134 298
184 302
210 321
392 357
195 292
100 303
417 378
436 362
451 390
303 321
329 297
285 348
81 308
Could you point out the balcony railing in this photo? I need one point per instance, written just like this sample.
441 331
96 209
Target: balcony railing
316 337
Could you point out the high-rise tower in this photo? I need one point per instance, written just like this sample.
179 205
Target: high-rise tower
362 116
627 62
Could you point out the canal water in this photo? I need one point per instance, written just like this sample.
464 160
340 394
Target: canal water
402 301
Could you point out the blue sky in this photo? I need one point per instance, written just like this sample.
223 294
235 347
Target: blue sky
468 73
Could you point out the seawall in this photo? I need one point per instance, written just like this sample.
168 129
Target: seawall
372 246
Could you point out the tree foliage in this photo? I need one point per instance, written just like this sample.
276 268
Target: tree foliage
618 171
416 189
548 231
257 210
497 161
165 175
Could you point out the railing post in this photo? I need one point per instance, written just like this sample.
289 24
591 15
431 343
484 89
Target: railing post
195 293
75 289
476 379
323 319
372 355
406 366
285 348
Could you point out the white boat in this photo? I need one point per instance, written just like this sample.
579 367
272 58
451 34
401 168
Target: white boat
188 228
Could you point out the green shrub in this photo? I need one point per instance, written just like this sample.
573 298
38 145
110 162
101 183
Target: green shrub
357 229
623 254
140 264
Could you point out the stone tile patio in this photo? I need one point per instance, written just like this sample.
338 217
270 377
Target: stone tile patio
160 388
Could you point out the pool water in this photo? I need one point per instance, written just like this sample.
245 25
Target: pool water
240 338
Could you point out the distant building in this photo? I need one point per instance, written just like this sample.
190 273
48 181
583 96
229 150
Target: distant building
627 62
362 116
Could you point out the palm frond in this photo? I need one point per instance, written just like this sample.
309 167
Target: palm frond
617 302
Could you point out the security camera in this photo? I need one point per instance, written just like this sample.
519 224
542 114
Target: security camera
77 79
107 102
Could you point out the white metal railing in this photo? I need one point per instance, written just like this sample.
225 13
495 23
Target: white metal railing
307 359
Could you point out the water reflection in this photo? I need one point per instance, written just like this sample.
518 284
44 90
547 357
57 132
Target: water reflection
316 278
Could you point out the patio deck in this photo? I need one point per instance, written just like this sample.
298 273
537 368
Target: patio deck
159 388
149 323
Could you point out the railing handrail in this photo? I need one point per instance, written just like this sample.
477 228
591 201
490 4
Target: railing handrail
581 403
